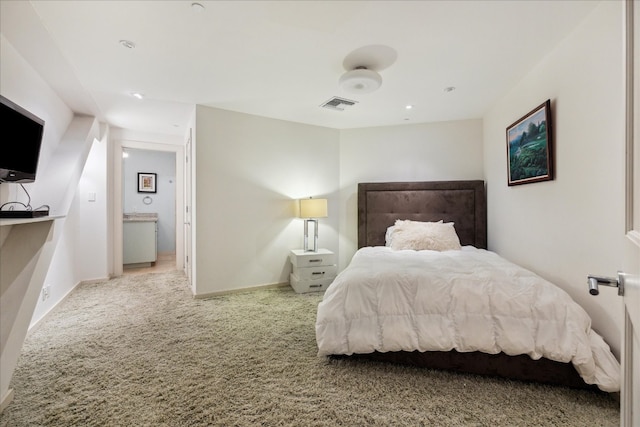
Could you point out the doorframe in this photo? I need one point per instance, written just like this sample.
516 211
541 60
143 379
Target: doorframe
629 402
117 214
632 209
188 210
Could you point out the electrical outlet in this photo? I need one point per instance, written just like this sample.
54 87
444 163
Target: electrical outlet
46 292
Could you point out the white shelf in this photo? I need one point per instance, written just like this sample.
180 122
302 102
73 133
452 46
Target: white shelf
18 221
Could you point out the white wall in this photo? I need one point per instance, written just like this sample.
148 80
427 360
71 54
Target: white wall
417 152
67 142
163 201
92 215
573 225
20 83
250 171
77 257
70 263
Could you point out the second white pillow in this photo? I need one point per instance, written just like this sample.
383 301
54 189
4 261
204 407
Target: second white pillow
416 235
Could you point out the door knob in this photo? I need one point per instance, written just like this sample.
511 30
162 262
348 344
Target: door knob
595 281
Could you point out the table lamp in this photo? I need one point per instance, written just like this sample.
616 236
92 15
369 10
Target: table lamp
312 209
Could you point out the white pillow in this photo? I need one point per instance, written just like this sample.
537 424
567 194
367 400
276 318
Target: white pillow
388 237
435 236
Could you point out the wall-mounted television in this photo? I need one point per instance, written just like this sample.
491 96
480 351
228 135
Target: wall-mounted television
21 141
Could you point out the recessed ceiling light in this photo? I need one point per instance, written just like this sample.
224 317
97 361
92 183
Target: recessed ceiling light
128 44
408 107
197 7
137 95
449 89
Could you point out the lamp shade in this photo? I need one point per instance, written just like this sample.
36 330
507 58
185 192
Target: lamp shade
313 208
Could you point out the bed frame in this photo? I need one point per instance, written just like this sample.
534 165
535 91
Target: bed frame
464 204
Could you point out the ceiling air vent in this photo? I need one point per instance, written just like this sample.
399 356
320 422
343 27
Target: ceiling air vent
339 104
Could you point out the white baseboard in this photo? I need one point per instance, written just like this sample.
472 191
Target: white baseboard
90 281
236 291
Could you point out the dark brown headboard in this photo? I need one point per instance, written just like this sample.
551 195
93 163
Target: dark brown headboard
464 203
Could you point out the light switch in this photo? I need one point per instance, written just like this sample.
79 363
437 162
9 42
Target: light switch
92 197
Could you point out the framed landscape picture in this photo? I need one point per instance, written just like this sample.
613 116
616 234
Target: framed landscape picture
146 182
530 148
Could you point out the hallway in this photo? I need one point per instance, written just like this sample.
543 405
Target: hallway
166 262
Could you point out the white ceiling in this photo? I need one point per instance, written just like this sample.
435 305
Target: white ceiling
282 59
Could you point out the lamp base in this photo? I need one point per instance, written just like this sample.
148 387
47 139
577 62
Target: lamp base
315 235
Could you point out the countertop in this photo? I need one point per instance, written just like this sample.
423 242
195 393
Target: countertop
139 217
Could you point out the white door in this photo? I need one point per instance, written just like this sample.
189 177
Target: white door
631 339
630 278
628 281
187 214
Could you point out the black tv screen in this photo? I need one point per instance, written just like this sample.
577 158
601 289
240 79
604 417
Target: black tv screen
21 140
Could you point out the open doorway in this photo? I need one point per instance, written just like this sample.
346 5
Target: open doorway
172 241
149 210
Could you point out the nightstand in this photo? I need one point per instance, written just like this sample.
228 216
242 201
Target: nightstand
312 271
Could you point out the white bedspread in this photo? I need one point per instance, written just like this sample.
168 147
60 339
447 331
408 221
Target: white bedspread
467 300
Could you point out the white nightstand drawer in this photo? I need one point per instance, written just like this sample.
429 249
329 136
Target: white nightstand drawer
300 258
304 286
316 273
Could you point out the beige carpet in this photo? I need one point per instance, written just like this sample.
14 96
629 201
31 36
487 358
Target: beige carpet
140 351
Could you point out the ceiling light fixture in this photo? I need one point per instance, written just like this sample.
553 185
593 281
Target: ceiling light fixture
128 44
137 95
409 107
360 80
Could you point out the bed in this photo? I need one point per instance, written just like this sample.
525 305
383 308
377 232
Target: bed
456 308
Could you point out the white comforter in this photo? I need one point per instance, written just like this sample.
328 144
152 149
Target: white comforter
467 300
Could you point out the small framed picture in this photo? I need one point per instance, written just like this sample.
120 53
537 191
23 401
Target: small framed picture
146 182
530 148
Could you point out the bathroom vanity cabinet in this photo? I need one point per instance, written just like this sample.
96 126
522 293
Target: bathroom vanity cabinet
140 237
